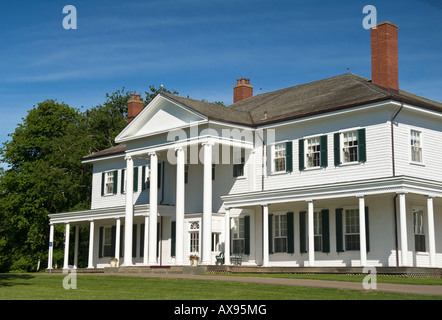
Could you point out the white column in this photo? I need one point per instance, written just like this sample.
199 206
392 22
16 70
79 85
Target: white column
129 214
66 247
403 227
77 235
362 232
153 207
117 239
265 236
146 241
51 245
431 237
179 208
311 235
227 237
207 205
91 245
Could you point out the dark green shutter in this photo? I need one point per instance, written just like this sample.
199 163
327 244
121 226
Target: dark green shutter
339 231
367 229
362 153
301 155
290 233
159 174
270 233
302 232
142 239
115 189
122 180
103 178
325 230
134 240
113 240
135 179
100 243
143 178
337 148
288 156
173 239
247 235
324 151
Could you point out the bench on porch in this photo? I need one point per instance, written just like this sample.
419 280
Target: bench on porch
220 258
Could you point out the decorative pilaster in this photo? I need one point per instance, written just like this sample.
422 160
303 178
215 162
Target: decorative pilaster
362 232
431 237
179 207
91 244
153 208
227 237
265 235
311 235
66 247
403 228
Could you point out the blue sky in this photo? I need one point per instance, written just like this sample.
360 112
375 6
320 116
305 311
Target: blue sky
200 48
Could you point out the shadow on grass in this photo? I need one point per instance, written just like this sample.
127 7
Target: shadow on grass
10 279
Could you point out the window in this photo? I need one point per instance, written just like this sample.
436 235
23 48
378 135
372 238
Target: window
352 229
213 171
350 146
186 173
238 235
107 242
109 183
280 233
313 152
215 242
317 230
419 235
416 146
279 157
194 236
238 163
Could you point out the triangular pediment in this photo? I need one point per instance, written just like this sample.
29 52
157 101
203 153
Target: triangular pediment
161 115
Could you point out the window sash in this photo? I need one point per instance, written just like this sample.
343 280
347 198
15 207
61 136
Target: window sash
194 242
350 146
416 146
313 153
317 230
352 241
107 242
279 157
109 186
280 233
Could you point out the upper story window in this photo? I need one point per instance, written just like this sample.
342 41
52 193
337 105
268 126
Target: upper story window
416 146
350 147
238 164
313 152
109 180
279 153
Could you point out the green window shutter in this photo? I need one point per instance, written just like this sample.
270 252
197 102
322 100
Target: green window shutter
367 229
325 230
134 241
135 179
160 166
362 153
247 235
173 239
143 178
302 232
301 155
113 240
115 189
337 148
290 233
142 239
339 231
100 243
270 233
289 156
324 151
122 180
103 178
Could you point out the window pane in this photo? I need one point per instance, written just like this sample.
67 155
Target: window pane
313 152
350 149
109 182
279 157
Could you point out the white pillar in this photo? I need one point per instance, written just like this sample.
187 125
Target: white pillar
431 237
179 208
66 247
265 236
207 205
91 245
311 235
153 207
403 227
362 232
51 245
117 239
146 241
129 214
227 237
77 235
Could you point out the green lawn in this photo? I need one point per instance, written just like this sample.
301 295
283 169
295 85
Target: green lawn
96 287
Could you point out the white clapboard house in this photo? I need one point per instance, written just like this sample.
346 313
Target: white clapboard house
340 172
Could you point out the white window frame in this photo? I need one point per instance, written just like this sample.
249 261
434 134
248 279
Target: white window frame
216 244
238 234
107 241
239 161
343 134
194 237
274 158
317 230
419 147
309 154
419 229
109 183
356 228
280 233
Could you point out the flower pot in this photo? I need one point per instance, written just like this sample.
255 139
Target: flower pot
194 262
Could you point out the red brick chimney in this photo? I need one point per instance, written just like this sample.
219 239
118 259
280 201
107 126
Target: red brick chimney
242 90
384 55
134 107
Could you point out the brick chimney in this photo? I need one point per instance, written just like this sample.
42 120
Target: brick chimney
242 90
384 55
134 107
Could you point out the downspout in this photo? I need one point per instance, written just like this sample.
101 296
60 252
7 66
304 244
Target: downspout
394 174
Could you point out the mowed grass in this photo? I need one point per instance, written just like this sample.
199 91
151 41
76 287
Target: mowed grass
96 287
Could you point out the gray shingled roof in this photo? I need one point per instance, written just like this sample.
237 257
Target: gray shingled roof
327 95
